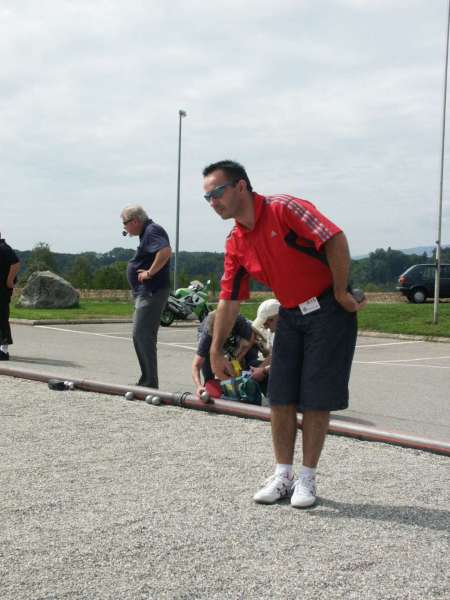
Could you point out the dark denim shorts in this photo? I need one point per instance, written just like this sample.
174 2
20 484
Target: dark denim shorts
312 357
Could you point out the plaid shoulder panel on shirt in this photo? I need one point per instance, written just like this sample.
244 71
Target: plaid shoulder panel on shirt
310 218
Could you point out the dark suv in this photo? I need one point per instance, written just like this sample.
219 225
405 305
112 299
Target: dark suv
417 282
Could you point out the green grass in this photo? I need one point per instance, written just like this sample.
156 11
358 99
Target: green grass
413 319
403 318
86 310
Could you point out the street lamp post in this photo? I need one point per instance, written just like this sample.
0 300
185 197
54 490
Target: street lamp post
438 241
181 114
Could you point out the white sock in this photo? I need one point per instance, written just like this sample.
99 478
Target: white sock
285 470
307 472
4 347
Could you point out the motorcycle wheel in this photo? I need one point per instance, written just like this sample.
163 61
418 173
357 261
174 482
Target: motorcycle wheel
167 317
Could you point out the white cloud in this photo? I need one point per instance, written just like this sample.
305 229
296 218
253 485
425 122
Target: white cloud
338 101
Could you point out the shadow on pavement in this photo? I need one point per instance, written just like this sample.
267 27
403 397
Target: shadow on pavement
404 515
42 361
352 420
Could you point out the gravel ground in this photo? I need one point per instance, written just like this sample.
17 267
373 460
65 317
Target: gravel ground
107 499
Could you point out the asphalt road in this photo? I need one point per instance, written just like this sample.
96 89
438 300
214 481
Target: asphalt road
398 385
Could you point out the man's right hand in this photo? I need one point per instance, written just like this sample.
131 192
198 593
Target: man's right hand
221 366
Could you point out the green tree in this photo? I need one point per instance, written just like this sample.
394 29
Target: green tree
113 277
81 272
41 259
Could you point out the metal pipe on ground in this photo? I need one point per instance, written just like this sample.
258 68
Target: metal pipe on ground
339 425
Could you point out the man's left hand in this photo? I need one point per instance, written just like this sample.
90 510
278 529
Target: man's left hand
348 303
258 373
143 275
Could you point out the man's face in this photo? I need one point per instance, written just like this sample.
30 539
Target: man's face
223 194
271 323
132 226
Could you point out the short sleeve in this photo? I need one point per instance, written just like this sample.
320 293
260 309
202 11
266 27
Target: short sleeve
242 328
308 223
235 282
155 239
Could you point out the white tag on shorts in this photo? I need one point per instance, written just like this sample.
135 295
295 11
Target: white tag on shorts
309 306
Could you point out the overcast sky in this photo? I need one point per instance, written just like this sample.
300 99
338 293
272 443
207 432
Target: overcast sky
335 101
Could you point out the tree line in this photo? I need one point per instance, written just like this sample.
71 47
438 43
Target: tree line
379 271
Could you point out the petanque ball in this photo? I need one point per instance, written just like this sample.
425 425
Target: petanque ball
205 397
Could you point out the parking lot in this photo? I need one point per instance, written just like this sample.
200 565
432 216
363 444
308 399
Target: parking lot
397 384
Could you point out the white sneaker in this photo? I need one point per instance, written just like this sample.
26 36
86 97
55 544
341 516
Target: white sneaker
273 489
304 492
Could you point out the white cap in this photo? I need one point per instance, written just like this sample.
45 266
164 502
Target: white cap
266 310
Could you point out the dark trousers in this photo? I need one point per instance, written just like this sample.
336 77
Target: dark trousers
146 321
5 329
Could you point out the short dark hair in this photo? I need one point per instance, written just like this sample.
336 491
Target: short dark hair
232 169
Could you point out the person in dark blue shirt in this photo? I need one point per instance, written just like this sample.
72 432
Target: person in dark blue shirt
9 267
148 274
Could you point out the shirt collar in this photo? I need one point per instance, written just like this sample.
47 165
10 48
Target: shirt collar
147 222
258 203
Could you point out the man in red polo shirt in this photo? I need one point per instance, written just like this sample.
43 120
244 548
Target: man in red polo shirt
287 244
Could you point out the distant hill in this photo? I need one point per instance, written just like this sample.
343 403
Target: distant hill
428 250
379 269
419 250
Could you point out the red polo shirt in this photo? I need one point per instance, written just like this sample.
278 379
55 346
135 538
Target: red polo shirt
269 252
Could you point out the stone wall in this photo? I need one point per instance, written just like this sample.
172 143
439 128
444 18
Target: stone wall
125 295
122 295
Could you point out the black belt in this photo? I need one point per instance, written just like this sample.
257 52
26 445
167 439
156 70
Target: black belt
326 294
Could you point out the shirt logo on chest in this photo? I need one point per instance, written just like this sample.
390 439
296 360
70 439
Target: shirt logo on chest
273 233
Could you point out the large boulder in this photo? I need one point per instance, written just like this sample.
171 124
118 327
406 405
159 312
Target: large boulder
44 289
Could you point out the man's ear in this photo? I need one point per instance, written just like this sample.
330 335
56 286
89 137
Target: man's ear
242 185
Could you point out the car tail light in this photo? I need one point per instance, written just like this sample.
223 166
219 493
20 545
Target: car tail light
402 280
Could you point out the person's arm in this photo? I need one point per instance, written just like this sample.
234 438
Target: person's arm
226 313
338 257
161 258
197 365
260 372
13 270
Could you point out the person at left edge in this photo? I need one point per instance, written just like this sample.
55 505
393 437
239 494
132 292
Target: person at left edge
148 275
9 267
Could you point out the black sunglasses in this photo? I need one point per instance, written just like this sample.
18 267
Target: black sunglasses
218 192
128 221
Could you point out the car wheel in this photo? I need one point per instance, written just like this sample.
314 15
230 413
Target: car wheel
419 296
167 317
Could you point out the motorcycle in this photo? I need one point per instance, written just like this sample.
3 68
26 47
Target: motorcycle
187 303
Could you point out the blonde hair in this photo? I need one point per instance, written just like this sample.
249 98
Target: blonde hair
134 211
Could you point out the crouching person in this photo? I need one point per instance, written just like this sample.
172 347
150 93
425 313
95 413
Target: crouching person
264 326
240 347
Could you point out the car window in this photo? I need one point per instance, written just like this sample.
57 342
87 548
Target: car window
428 272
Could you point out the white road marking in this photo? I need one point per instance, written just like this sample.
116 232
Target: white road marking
176 345
388 344
116 337
406 360
394 364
